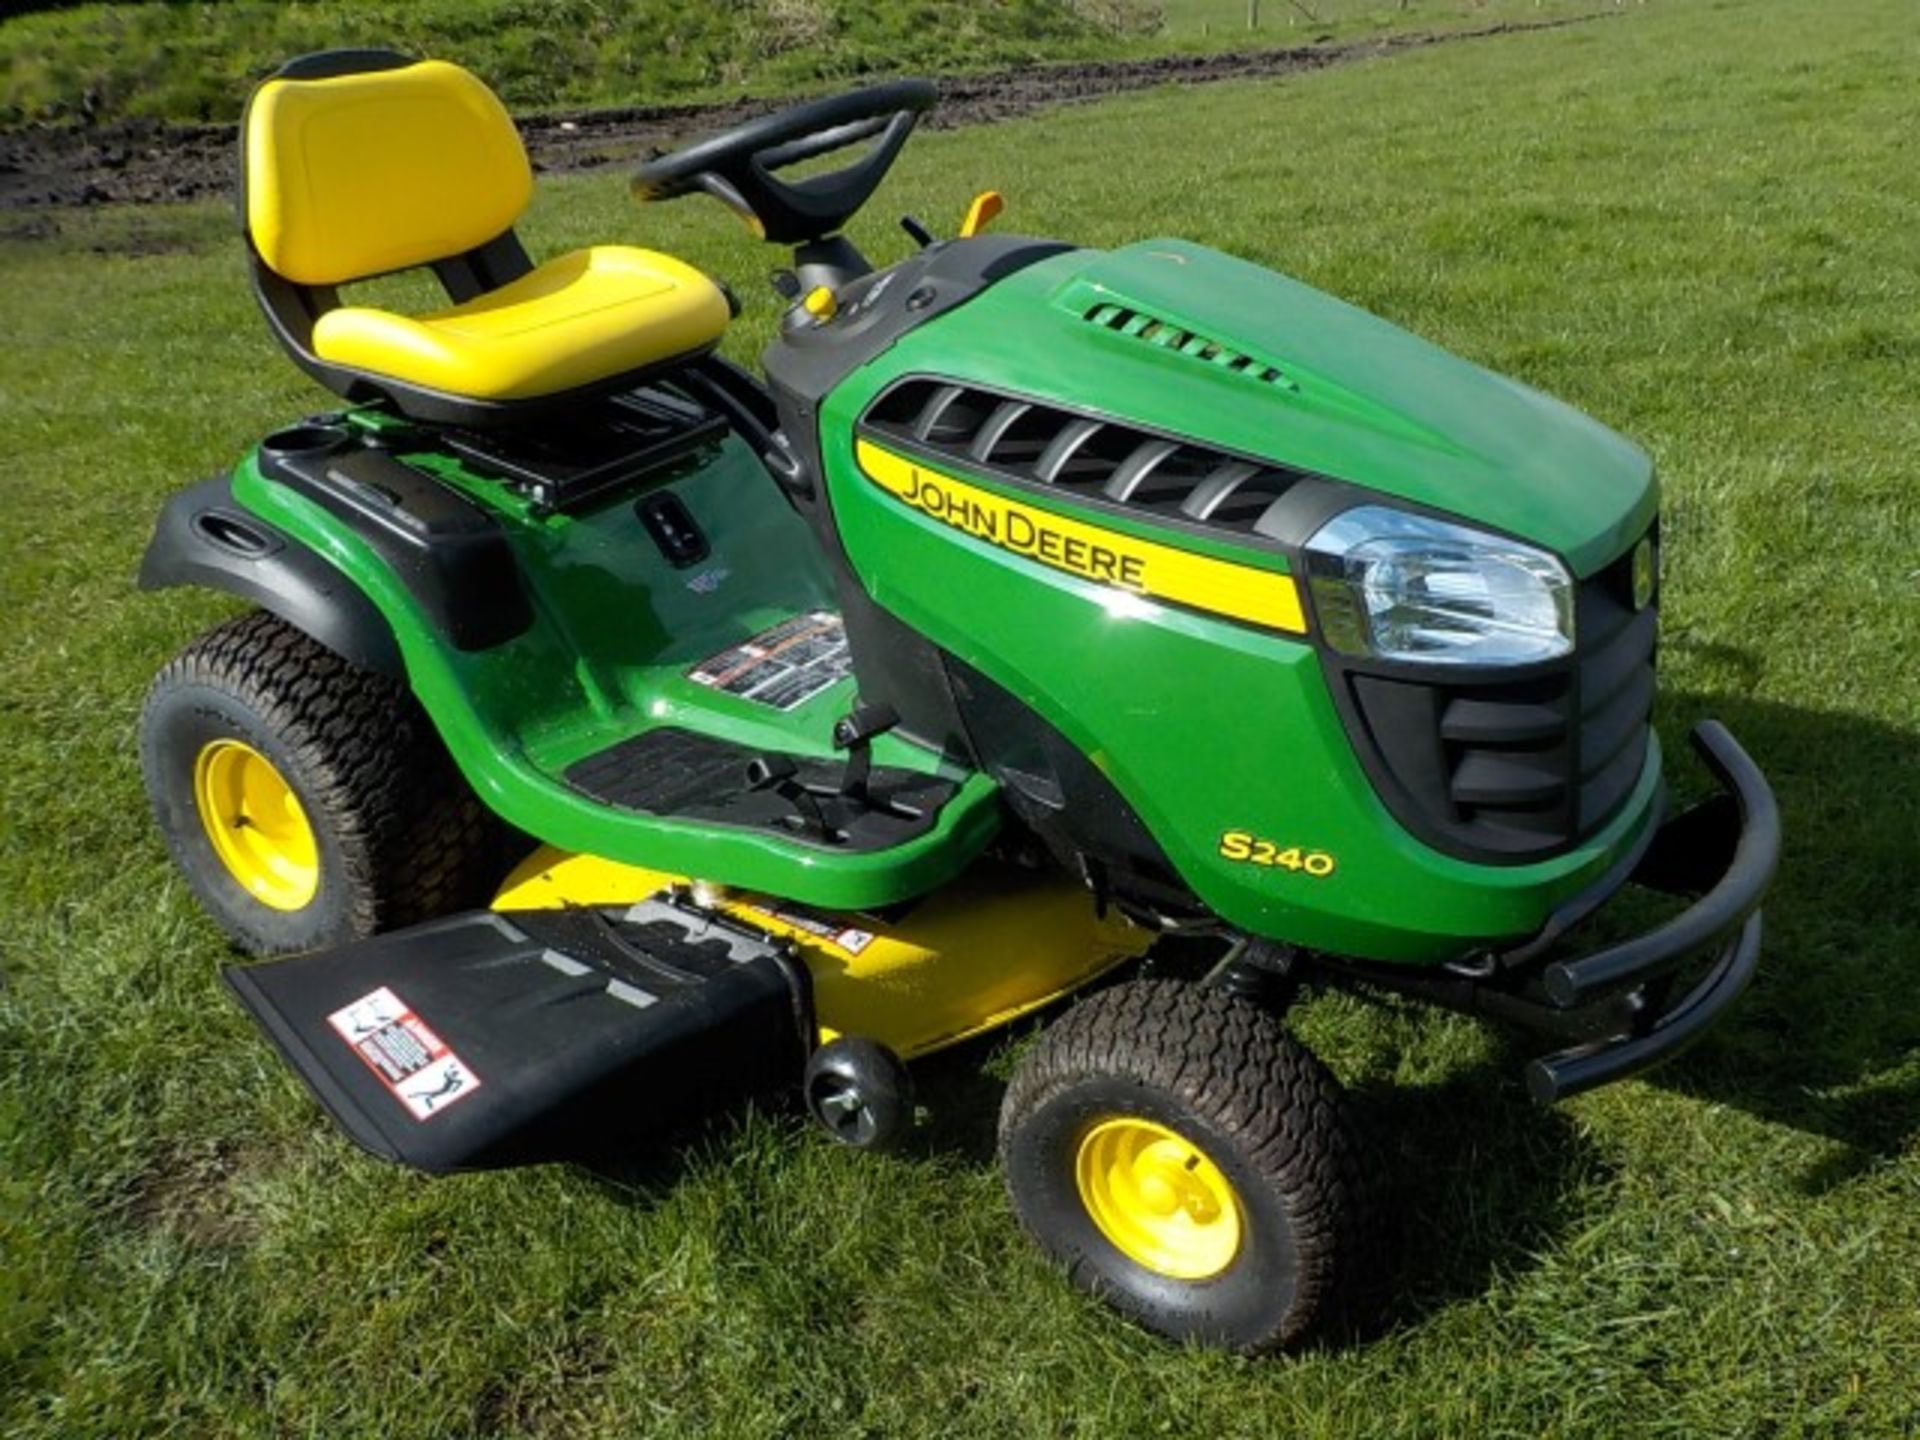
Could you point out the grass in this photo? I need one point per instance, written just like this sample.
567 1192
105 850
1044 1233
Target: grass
1695 222
154 61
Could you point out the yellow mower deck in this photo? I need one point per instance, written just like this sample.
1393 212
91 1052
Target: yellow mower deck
983 951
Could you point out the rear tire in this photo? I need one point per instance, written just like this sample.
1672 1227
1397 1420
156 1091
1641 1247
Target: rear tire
393 833
1190 1163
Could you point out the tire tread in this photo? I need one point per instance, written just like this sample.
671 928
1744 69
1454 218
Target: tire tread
1236 1066
414 840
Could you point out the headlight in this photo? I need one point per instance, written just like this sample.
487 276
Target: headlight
1408 587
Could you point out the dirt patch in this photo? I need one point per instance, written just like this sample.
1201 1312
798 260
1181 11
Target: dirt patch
191 1191
144 163
543 1396
130 163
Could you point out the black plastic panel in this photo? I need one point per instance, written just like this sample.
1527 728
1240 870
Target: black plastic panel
1065 799
895 664
449 553
205 537
562 1034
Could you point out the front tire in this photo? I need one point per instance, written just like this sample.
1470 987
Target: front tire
308 802
1188 1162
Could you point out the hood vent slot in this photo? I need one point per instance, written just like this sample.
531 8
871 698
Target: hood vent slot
1139 325
1108 463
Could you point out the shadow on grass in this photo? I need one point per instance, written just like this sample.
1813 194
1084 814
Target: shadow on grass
963 1099
1828 1040
1472 1181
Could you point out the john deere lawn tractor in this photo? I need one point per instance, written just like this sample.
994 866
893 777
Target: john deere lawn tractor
615 732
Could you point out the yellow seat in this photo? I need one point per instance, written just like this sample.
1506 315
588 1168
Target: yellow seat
359 164
587 315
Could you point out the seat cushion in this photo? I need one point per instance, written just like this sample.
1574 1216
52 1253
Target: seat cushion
377 170
586 316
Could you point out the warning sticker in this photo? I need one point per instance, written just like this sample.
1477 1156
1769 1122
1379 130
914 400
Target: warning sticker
411 1061
850 941
783 667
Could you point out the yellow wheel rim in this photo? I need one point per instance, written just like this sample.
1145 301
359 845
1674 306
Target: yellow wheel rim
256 824
1158 1198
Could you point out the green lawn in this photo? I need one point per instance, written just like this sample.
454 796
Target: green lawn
1700 222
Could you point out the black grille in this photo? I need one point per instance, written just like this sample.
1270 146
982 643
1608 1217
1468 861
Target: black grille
1099 461
1516 769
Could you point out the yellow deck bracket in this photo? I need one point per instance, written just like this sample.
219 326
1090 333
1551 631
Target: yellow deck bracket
992 946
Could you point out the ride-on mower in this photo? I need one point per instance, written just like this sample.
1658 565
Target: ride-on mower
1045 612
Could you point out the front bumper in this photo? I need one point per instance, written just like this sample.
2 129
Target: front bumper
1724 851
1617 1004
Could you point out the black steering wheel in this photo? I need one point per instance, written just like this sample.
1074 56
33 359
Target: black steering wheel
737 166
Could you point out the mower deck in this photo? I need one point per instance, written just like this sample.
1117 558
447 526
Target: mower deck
598 1003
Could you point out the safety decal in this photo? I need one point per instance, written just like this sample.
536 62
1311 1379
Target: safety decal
783 667
415 1065
850 942
1250 593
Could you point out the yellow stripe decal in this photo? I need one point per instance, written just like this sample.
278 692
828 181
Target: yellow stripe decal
1145 567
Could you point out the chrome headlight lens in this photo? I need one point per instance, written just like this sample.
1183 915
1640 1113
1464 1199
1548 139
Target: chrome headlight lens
1409 587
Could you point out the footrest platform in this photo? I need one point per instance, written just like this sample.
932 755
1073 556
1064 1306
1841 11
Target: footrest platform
687 775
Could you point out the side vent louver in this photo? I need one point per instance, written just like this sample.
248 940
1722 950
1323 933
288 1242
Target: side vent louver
1092 459
1139 325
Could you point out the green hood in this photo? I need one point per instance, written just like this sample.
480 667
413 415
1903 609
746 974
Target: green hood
1182 338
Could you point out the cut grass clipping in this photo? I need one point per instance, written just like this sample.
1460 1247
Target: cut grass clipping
1695 221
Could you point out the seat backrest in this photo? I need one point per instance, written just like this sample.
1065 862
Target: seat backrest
354 172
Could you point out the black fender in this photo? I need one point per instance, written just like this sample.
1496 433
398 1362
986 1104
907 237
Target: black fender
204 537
